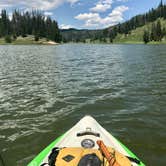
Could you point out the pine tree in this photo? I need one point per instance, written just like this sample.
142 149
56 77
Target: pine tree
153 35
163 32
4 23
146 38
161 4
105 32
8 39
111 36
158 31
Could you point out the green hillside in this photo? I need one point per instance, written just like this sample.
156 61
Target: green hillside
132 37
149 27
136 35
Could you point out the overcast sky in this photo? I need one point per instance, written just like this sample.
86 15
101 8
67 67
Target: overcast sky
89 14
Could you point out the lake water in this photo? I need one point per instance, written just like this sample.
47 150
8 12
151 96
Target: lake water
45 90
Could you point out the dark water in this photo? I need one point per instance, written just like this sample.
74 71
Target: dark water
44 90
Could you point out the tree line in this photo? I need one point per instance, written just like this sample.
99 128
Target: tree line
75 35
156 33
28 23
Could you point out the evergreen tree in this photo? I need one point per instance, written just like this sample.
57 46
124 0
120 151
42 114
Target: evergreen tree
158 31
161 4
146 38
153 35
105 32
4 23
163 32
8 39
111 36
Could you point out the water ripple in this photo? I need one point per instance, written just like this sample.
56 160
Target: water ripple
45 90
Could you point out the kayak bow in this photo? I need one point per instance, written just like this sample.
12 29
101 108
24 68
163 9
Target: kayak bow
79 145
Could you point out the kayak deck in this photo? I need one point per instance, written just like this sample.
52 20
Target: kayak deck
85 133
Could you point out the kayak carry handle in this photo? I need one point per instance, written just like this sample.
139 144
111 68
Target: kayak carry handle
110 157
88 133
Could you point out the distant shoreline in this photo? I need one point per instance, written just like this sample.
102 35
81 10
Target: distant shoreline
28 40
50 43
129 42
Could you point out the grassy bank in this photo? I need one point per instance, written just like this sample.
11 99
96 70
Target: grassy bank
136 35
27 41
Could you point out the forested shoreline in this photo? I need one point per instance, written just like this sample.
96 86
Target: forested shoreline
28 23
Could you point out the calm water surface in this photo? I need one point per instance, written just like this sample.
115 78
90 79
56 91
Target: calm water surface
44 90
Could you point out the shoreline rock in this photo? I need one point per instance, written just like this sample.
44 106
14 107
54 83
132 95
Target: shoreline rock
50 43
